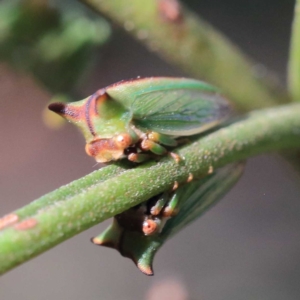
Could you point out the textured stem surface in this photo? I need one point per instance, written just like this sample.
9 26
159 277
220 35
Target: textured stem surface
75 207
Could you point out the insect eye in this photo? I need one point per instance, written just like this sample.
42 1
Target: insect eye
149 227
123 141
120 138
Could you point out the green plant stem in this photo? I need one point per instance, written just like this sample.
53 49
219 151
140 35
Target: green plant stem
196 47
294 59
71 209
72 189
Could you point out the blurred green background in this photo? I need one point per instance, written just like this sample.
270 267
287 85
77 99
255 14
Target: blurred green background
247 247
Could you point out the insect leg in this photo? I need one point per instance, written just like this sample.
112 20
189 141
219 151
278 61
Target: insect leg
162 139
148 145
133 154
172 207
138 157
167 205
161 202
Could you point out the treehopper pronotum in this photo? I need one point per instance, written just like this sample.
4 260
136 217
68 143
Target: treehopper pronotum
141 117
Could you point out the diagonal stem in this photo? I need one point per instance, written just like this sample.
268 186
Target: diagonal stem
71 209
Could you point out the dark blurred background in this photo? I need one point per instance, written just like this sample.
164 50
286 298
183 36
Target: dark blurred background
247 247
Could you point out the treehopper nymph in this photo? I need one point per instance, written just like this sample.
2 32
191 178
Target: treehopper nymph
141 117
133 238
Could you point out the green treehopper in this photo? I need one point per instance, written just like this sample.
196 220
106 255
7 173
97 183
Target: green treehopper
139 117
